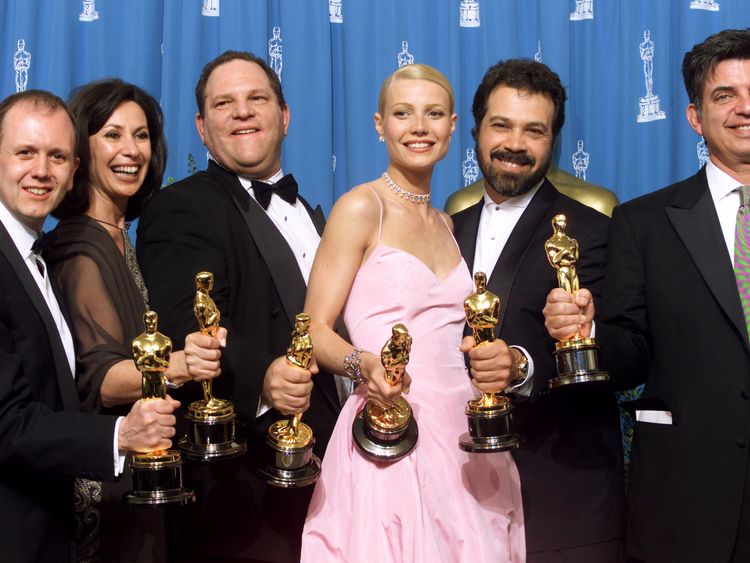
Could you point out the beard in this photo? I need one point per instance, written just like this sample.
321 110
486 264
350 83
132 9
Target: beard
508 184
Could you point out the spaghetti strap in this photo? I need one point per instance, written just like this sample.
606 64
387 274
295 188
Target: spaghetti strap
380 203
470 499
451 232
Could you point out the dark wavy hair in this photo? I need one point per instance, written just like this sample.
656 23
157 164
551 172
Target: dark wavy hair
525 75
703 58
91 106
229 56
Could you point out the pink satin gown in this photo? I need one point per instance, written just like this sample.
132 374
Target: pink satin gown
438 504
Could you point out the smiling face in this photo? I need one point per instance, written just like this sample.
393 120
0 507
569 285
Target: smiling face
416 123
120 153
37 161
243 125
724 117
514 141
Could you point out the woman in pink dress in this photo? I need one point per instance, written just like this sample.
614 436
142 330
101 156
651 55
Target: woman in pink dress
388 257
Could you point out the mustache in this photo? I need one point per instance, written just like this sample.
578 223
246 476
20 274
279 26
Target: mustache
522 158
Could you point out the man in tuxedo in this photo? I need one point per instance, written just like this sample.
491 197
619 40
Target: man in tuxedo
259 240
570 457
671 316
44 439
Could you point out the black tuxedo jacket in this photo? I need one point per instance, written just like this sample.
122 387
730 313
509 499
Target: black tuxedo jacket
570 459
209 222
671 317
43 439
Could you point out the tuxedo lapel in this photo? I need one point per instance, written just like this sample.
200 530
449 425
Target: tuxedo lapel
693 216
318 219
271 244
519 243
466 232
278 257
66 383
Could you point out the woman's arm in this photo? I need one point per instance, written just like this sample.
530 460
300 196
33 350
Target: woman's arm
198 361
349 238
106 373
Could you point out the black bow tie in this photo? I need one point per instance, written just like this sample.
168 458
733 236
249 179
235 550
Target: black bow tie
286 188
37 247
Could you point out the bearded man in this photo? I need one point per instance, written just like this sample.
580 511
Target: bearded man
570 458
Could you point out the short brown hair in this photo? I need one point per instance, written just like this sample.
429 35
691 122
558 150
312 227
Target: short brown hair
228 56
703 58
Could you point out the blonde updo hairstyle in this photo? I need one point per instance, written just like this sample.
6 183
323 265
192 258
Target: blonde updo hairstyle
415 72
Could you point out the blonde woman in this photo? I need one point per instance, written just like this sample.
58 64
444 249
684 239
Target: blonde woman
388 257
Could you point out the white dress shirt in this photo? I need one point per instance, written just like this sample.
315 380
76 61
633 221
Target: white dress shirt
726 198
496 223
23 238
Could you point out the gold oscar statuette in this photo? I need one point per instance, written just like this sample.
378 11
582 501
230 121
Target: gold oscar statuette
387 434
576 357
212 422
157 475
490 416
290 442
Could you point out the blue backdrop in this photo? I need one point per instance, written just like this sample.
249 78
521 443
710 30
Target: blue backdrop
620 61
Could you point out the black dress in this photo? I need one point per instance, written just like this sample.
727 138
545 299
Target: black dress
105 309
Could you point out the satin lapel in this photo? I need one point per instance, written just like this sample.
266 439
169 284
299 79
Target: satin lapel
318 219
66 383
272 245
466 229
519 243
693 216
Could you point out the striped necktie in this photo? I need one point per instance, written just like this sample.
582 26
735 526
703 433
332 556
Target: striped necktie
742 252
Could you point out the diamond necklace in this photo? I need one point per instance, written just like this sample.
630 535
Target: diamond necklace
401 192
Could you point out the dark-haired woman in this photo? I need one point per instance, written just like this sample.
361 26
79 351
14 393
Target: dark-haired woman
122 156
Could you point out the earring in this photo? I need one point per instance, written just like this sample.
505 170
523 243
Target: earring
381 139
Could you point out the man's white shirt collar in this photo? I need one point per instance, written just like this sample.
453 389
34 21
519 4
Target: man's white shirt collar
720 184
23 236
726 199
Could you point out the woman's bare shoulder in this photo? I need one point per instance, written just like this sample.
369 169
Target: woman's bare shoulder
358 204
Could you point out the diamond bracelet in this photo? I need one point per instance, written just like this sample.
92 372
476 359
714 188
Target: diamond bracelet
353 366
